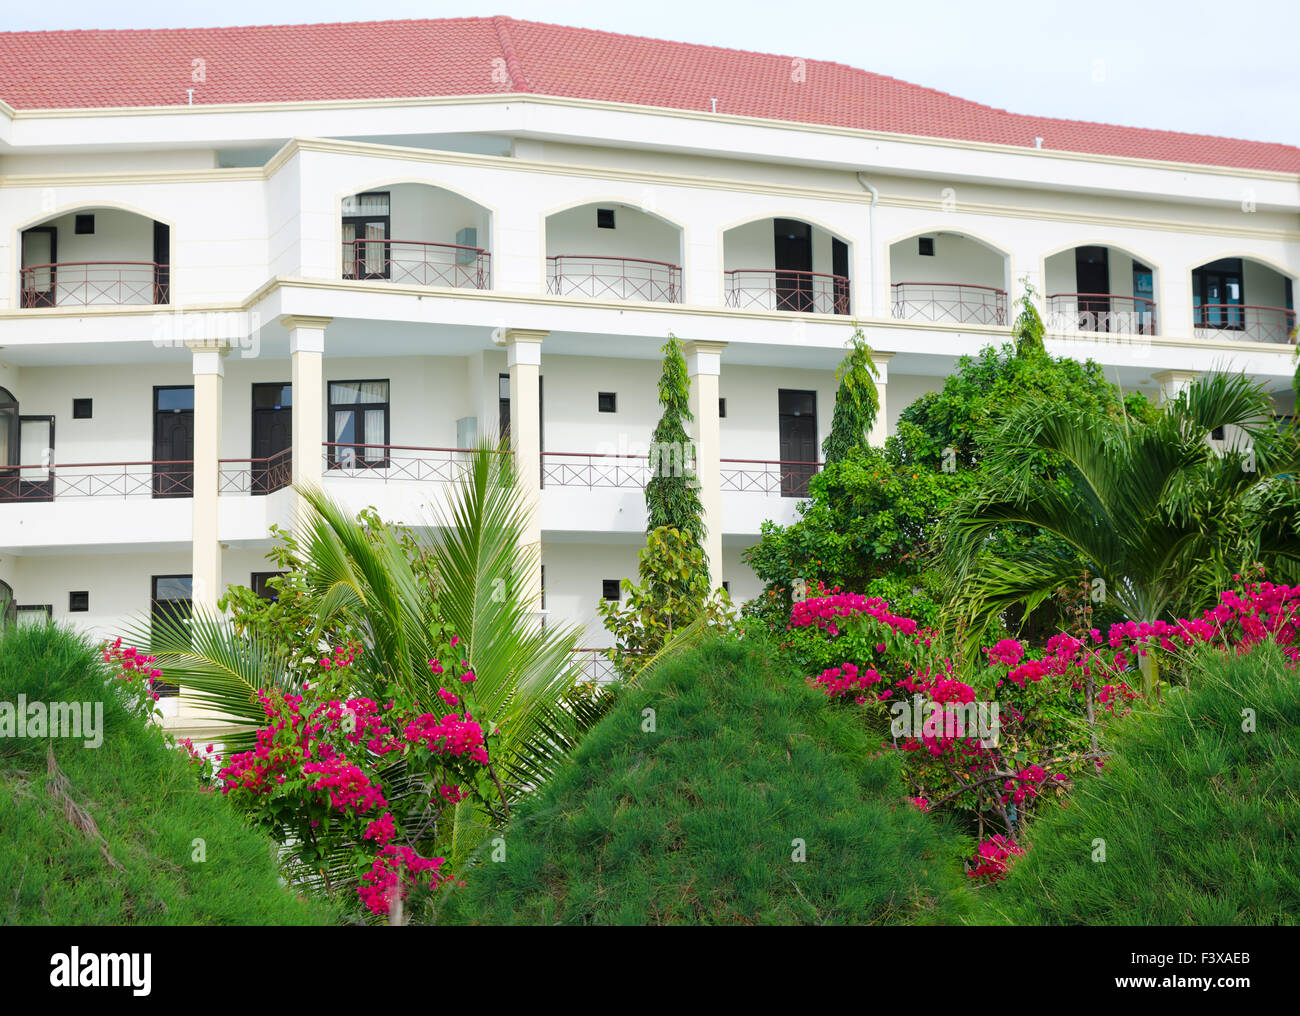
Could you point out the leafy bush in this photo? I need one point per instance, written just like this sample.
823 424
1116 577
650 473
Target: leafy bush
1196 810
113 835
689 802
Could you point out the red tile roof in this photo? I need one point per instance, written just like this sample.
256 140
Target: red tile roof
477 56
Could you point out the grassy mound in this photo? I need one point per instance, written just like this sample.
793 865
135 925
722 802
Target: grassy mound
108 837
1200 819
698 820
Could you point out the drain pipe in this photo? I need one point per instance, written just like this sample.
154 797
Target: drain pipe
871 235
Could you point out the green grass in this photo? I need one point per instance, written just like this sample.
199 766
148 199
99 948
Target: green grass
1201 820
696 822
142 798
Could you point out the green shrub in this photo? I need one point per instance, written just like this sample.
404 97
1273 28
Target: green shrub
1199 818
696 821
109 836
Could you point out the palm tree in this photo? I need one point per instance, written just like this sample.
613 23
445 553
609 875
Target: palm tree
1160 515
363 579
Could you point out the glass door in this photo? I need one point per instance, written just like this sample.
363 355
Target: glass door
367 254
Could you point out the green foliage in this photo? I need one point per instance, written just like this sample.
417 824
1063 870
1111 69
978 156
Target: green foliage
1028 329
672 495
696 819
673 594
856 401
1159 515
1198 815
125 855
873 517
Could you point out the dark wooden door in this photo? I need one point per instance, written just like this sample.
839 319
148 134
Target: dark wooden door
173 441
272 436
1092 283
793 263
798 435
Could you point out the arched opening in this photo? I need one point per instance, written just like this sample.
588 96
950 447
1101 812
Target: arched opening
612 251
418 235
1099 288
1243 299
950 277
8 608
786 264
95 257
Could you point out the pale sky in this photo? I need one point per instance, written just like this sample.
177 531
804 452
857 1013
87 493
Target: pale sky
1228 67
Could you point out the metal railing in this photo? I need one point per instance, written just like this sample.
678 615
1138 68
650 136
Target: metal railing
595 666
417 263
580 469
1249 322
397 462
602 277
772 289
758 476
161 479
256 476
1101 312
94 284
950 301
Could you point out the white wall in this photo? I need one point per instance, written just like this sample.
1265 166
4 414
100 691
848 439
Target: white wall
956 258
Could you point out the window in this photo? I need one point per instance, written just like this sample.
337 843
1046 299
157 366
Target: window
925 246
726 587
606 402
609 589
722 409
604 218
1216 434
358 424
170 606
366 230
34 613
78 602
260 587
83 409
84 225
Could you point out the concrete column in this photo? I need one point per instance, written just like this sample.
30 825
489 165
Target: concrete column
703 366
306 355
209 370
524 360
880 429
1173 382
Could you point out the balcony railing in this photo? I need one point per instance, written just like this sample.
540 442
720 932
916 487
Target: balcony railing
416 263
95 284
950 301
599 277
160 479
256 476
1101 312
802 292
579 469
595 666
757 476
397 462
1248 322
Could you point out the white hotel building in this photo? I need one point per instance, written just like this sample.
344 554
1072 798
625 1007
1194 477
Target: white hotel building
235 258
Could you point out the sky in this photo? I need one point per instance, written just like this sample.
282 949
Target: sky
1227 68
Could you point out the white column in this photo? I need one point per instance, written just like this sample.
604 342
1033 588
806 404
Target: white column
703 366
1173 382
306 355
209 370
880 429
524 360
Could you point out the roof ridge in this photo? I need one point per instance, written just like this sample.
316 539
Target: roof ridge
514 67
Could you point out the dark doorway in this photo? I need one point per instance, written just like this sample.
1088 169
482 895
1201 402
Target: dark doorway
793 262
840 269
162 262
272 437
1218 293
173 441
39 274
9 446
1092 284
798 429
367 223
170 605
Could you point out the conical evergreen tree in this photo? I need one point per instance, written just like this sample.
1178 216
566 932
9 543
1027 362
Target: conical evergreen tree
856 401
672 496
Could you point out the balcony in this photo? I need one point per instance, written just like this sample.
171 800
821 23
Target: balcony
396 462
773 478
94 284
1101 312
952 302
78 480
800 292
418 263
603 277
255 476
95 257
1244 322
